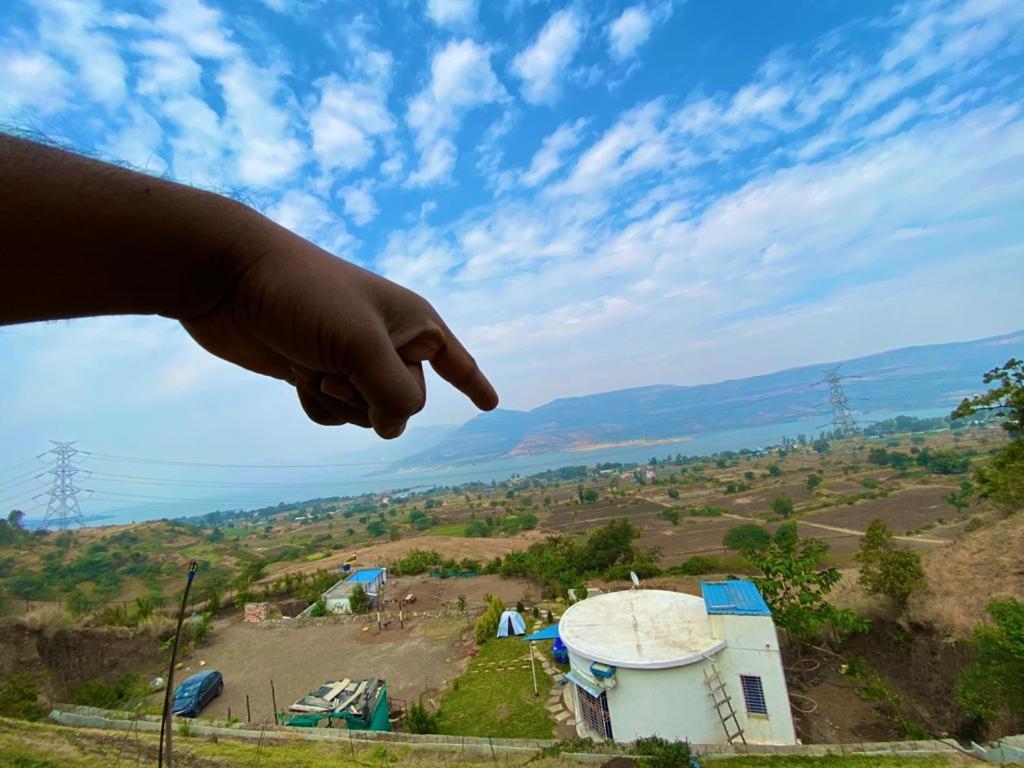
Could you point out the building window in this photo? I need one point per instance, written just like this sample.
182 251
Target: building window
753 694
593 713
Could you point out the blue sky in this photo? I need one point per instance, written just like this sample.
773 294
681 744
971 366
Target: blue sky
596 195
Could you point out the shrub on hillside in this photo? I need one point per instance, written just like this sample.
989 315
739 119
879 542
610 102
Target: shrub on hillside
487 625
419 720
416 562
19 697
698 565
359 601
992 684
126 693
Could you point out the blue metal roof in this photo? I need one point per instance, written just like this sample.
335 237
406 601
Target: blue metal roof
735 597
365 577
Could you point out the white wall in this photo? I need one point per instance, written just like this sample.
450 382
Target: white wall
672 703
753 649
337 604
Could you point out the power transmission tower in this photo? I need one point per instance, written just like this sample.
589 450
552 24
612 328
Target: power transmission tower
63 511
843 423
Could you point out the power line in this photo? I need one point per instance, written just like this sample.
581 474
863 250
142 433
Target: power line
63 510
21 463
149 480
168 462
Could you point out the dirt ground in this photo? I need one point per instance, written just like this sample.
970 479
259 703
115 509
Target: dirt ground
300 656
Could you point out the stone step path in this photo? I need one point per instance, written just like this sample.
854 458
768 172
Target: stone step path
560 699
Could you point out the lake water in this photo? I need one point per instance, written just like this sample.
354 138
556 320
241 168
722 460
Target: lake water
355 482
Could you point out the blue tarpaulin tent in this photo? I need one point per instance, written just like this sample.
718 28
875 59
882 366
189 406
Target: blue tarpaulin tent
511 624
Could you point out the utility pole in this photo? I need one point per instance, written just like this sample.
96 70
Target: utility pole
843 423
63 511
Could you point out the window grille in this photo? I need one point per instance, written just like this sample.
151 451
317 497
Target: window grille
753 694
593 713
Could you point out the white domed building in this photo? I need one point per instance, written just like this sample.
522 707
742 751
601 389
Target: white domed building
706 670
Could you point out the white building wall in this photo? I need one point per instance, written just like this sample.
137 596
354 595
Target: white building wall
753 649
336 604
672 703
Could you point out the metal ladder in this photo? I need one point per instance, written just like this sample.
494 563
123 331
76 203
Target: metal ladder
720 698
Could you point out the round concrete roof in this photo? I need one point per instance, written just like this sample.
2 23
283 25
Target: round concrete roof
640 629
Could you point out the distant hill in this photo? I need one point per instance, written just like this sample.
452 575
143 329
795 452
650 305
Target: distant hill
913 378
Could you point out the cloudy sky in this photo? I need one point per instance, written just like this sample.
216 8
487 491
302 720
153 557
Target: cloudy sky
595 194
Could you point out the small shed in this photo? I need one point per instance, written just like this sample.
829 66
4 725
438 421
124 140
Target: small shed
372 580
511 625
657 663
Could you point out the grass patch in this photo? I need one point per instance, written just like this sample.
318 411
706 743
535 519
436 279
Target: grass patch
495 696
833 761
449 529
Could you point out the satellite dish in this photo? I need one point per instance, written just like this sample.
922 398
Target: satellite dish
635 579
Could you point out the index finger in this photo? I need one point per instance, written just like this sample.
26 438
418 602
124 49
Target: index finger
456 366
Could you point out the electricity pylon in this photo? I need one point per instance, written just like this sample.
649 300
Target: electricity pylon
63 511
843 423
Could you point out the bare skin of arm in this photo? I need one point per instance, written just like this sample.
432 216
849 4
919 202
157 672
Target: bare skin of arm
82 237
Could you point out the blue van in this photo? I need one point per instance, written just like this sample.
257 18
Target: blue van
196 692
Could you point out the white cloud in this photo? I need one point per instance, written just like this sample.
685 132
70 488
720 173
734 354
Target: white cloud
349 117
628 32
263 139
419 257
633 145
33 81
73 30
461 79
359 203
138 142
452 13
550 156
545 62
310 216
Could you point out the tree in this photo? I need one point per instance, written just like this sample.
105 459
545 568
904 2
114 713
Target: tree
782 506
673 493
992 684
16 519
671 514
609 545
813 481
961 499
746 537
786 536
887 570
420 720
774 470
1006 398
358 601
1002 478
795 588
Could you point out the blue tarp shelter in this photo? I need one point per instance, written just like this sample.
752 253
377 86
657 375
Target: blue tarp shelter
511 625
548 633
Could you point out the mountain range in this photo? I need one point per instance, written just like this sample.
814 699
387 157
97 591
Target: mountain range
911 378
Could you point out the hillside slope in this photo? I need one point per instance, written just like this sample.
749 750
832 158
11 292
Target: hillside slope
934 376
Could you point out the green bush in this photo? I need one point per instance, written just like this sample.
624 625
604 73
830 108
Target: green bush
991 685
419 720
126 693
359 601
656 752
698 565
319 608
19 697
487 625
974 524
416 562
671 514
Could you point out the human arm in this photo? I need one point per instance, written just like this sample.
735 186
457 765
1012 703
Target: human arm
82 237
